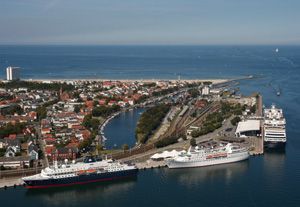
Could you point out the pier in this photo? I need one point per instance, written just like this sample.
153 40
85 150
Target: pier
11 182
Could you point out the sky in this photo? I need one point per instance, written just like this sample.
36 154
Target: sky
149 22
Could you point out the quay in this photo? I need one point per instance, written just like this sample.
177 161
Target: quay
150 164
11 182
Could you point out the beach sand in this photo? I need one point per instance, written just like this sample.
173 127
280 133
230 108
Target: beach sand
214 81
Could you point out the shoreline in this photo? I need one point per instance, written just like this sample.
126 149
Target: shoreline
214 81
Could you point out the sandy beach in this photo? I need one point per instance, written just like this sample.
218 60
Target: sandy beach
214 81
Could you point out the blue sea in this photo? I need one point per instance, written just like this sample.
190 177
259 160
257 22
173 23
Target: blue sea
272 179
141 62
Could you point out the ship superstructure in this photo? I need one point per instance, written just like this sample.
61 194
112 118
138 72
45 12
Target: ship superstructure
91 170
205 157
274 128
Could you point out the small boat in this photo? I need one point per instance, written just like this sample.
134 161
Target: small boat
278 93
82 172
91 171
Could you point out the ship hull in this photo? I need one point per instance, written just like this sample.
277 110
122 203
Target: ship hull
274 145
80 179
172 164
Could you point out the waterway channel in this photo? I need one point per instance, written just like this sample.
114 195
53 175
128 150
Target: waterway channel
120 129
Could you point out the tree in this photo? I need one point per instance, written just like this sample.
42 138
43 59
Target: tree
95 103
125 147
253 109
194 133
99 147
193 142
77 109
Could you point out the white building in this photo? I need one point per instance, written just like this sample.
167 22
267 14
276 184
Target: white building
248 128
205 90
13 73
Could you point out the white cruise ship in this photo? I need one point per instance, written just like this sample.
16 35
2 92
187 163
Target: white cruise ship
205 157
274 128
91 170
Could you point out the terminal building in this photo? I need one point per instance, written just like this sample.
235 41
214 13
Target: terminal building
13 73
248 128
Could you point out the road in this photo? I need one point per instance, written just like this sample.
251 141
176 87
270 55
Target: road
42 142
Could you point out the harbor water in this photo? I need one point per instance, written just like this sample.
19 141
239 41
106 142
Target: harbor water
272 179
120 130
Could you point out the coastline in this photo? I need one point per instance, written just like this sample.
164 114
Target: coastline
214 81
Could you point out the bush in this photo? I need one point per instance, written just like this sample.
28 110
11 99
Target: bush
125 147
193 142
235 120
166 142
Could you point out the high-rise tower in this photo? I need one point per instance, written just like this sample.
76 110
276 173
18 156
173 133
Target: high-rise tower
13 73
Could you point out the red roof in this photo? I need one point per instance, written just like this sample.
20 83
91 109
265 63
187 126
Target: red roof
48 135
85 132
76 126
12 136
50 139
89 102
49 149
72 145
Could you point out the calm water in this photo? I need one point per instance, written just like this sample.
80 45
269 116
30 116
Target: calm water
140 62
269 180
120 130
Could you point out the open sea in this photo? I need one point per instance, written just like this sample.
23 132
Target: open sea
272 179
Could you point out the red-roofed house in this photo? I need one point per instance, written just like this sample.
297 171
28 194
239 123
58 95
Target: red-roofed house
45 131
102 101
112 103
89 102
50 141
33 114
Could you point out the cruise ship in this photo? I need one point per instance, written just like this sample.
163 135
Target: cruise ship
91 170
206 157
274 128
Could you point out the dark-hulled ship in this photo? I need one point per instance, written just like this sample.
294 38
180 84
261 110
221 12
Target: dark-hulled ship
91 170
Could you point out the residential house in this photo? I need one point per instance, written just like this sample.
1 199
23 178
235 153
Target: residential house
33 152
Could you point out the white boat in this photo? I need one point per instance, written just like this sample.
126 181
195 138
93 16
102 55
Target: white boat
274 128
277 50
206 157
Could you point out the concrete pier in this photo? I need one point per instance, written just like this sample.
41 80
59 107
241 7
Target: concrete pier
149 164
11 182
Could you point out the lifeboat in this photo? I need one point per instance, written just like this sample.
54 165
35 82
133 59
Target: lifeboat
82 172
91 171
218 155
